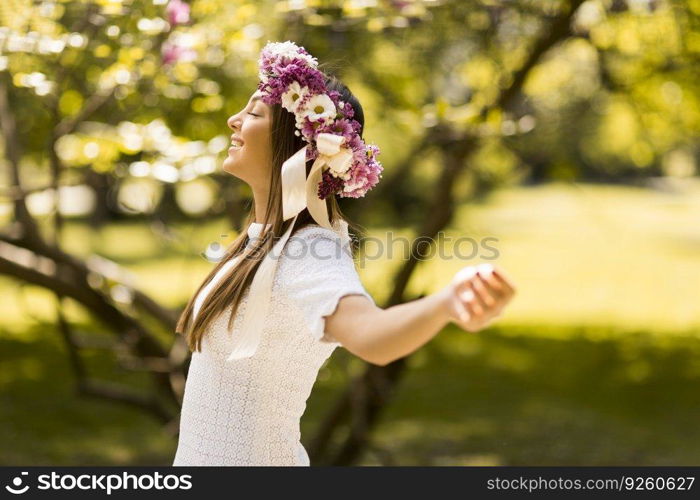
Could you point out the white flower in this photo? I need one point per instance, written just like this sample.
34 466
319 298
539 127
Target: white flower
343 175
299 117
293 95
310 60
290 50
319 106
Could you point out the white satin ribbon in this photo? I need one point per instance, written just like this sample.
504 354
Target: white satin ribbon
298 192
332 153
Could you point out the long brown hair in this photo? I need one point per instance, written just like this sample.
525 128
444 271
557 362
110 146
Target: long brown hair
284 143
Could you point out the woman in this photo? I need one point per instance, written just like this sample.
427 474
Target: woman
287 293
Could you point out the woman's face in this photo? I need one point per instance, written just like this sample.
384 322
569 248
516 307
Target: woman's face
251 162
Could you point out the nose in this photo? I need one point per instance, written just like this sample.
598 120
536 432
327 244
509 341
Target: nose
232 122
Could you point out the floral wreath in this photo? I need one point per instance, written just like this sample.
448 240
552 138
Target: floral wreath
289 76
343 164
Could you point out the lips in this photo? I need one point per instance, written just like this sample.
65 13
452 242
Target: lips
236 142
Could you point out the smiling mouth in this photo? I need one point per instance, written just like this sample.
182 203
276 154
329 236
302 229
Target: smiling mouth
236 141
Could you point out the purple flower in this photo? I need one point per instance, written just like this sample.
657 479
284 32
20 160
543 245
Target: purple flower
310 129
178 12
348 110
281 72
311 152
340 126
329 185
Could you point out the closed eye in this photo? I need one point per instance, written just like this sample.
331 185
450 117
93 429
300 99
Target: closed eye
252 114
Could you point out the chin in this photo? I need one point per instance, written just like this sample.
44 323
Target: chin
229 166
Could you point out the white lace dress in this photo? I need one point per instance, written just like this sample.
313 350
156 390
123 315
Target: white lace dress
247 412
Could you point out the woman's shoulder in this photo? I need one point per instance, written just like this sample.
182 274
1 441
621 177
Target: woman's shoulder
314 244
311 231
318 258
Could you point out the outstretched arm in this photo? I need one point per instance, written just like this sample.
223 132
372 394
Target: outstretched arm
472 300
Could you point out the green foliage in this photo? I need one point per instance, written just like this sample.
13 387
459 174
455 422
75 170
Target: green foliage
600 341
618 98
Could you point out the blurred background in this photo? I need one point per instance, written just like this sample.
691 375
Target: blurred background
565 131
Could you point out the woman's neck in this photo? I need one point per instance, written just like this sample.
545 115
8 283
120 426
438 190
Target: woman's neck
260 203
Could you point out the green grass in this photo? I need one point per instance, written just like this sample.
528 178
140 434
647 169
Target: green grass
502 397
595 362
505 399
44 422
589 254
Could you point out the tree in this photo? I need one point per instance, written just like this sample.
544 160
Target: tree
462 96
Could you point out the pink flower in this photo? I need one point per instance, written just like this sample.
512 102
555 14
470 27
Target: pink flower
172 53
178 12
400 4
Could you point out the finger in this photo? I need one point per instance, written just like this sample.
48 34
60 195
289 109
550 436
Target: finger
478 295
492 285
488 294
467 295
487 302
503 280
475 311
464 275
507 285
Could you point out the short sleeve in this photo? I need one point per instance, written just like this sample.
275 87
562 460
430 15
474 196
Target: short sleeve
321 271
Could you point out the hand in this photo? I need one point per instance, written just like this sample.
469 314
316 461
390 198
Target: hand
477 295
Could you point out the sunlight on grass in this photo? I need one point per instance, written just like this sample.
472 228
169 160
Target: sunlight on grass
599 343
577 401
587 254
578 253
